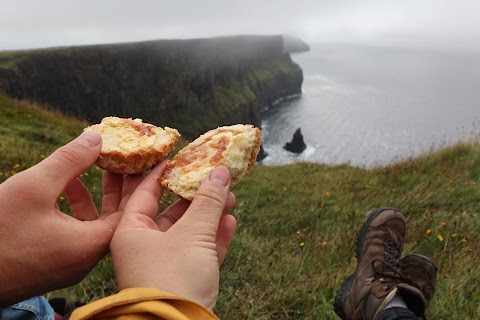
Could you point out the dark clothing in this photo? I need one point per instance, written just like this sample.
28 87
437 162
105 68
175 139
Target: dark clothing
397 314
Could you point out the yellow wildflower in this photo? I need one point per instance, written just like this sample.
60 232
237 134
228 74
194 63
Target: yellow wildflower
439 237
302 244
428 231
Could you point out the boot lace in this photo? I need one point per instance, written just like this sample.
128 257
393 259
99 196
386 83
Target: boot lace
388 271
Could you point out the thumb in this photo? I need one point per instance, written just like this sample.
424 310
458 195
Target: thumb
67 162
209 202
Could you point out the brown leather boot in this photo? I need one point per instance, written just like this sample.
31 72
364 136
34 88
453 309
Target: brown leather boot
421 272
365 293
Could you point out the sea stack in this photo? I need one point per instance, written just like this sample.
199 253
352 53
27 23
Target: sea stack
297 145
262 154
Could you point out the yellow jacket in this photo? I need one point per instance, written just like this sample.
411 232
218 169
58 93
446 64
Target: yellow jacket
143 303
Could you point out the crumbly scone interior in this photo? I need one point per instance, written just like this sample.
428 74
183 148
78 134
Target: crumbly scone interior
120 136
237 155
229 146
165 136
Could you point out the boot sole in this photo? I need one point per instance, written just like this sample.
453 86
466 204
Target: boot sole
347 284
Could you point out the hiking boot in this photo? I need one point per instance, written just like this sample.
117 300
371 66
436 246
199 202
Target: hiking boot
365 293
421 273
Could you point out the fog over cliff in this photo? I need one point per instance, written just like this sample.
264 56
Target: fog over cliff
47 23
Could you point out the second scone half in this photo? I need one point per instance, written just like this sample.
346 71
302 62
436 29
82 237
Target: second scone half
235 147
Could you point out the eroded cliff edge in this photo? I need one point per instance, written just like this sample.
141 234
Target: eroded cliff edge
193 85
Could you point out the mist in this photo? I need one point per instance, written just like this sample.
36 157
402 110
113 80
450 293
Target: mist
34 24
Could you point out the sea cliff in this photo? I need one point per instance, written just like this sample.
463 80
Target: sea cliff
192 85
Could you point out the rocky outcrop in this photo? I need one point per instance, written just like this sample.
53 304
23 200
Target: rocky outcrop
192 85
297 145
262 154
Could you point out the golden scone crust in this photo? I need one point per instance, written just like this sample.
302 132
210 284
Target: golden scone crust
236 147
131 146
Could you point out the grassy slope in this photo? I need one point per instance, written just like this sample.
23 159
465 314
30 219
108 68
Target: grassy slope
297 224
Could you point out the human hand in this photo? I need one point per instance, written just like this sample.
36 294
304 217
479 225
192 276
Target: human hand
43 249
182 250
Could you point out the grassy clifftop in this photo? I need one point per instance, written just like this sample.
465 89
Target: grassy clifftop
297 224
193 85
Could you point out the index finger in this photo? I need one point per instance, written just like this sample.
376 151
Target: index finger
145 198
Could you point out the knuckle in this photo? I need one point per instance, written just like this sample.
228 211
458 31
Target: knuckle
210 196
68 156
139 220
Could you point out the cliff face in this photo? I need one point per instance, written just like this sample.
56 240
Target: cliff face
192 85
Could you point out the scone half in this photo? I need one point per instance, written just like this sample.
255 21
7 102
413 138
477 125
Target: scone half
131 146
236 147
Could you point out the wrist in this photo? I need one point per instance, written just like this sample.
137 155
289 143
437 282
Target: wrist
18 284
11 290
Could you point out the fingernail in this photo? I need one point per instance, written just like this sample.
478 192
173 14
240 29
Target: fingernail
89 138
220 175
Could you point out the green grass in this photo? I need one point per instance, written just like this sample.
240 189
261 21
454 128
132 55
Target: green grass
29 133
297 224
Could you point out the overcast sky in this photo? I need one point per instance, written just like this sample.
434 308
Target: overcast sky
46 23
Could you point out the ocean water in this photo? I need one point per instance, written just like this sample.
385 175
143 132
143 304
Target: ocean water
372 106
